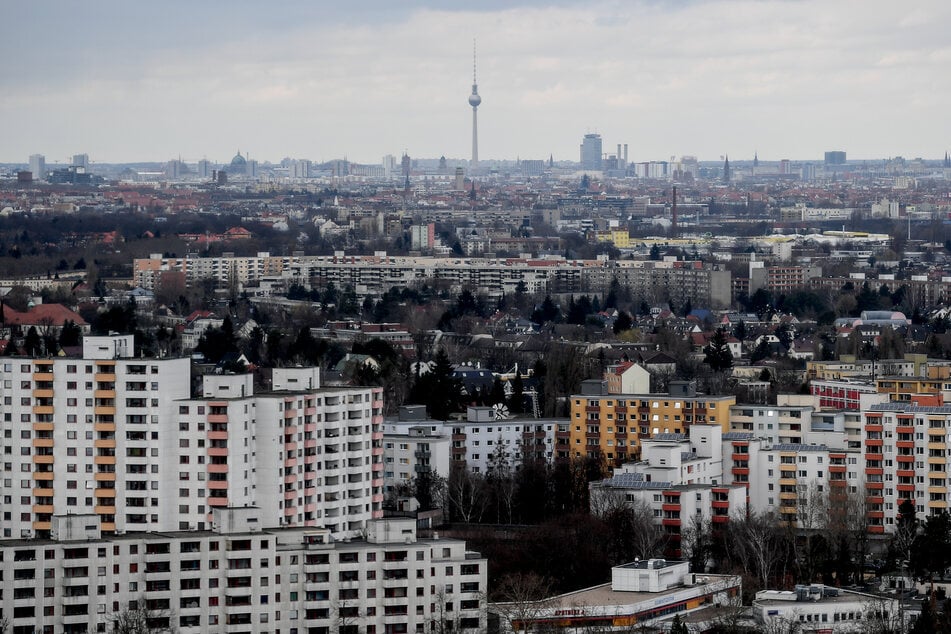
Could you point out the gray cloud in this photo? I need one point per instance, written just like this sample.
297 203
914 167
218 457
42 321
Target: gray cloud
790 79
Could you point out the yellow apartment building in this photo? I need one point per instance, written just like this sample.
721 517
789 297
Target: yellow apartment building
614 424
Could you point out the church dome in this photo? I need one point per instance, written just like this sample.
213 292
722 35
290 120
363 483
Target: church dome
238 161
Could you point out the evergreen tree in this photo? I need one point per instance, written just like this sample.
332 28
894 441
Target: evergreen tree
740 330
717 353
32 343
516 405
677 626
622 322
497 395
70 334
439 389
547 312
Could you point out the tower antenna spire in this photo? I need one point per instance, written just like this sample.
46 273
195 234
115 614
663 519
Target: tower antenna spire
474 101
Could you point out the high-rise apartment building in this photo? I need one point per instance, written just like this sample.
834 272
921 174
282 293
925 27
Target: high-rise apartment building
612 425
204 169
240 576
591 152
38 167
836 157
123 438
81 161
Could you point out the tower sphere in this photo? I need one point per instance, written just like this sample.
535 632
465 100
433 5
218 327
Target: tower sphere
474 99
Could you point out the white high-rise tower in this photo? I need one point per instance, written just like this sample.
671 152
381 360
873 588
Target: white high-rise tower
474 101
38 167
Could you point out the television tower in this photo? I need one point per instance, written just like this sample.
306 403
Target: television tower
474 101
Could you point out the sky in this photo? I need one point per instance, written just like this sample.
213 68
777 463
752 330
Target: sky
133 81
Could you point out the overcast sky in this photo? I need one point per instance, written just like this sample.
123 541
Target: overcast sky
131 81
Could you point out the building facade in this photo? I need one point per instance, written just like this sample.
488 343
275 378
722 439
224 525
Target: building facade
612 425
123 438
240 577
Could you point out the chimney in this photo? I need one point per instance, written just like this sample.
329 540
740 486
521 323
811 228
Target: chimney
673 211
625 153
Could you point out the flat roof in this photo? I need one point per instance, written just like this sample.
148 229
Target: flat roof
604 595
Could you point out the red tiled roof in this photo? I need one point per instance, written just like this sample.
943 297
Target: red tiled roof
52 314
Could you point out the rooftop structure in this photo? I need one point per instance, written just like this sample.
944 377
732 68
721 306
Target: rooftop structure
640 593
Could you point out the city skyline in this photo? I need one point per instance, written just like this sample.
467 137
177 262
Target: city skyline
784 79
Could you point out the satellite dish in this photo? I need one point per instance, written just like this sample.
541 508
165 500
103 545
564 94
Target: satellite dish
501 411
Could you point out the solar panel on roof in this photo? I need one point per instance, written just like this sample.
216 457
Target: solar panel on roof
799 447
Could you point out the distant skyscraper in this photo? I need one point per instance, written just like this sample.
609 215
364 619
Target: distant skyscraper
204 169
38 166
835 158
389 166
300 168
173 169
474 101
81 160
591 152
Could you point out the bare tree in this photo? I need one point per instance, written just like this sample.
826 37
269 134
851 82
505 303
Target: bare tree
730 617
501 480
466 495
631 523
139 618
696 542
812 511
759 544
883 615
847 527
446 620
781 625
346 616
523 598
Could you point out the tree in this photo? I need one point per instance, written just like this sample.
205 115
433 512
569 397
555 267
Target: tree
655 252
740 330
32 343
516 400
717 353
931 550
696 543
757 543
785 335
70 334
138 618
622 323
677 626
521 598
633 534
439 389
429 489
466 495
547 312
